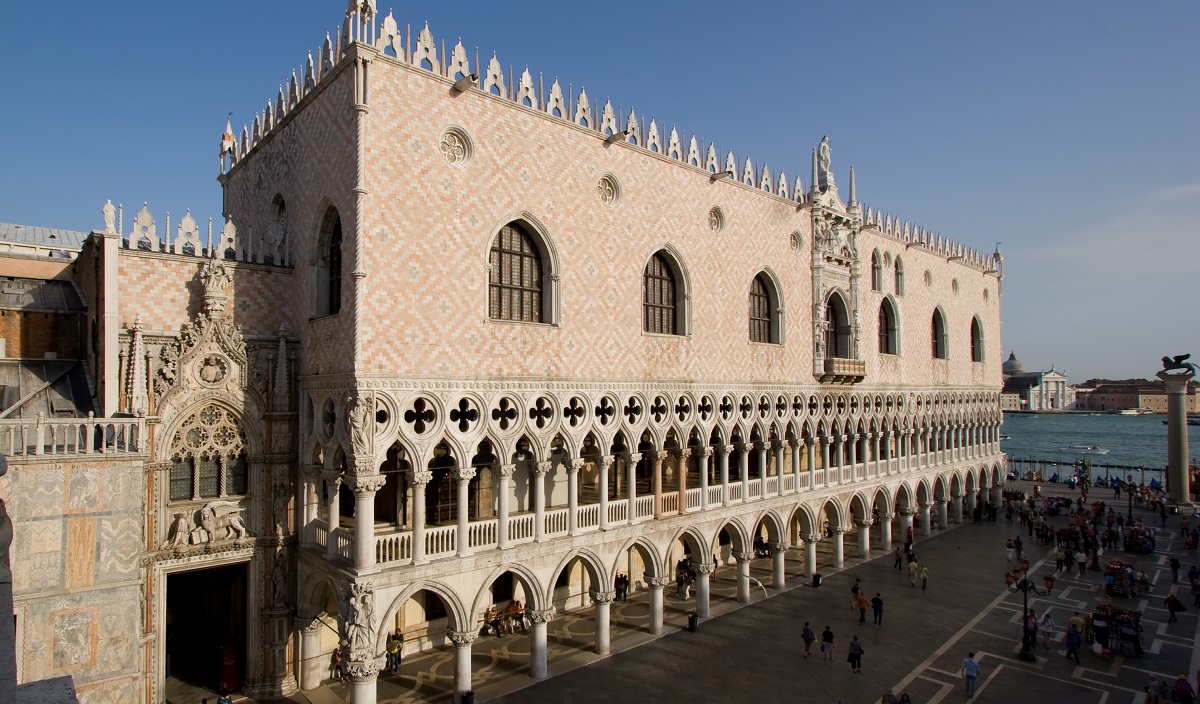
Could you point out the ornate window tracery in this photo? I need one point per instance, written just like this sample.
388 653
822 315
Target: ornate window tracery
208 456
515 281
976 340
888 333
937 329
658 298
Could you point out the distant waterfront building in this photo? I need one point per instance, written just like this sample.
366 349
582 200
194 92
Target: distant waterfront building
1148 396
1036 391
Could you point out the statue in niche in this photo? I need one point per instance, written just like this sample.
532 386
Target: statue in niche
357 420
824 177
110 217
360 612
279 581
179 533
215 277
281 511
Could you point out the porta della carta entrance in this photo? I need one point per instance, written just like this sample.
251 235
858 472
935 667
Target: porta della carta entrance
206 627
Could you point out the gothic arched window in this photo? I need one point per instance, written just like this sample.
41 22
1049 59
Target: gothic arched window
327 284
764 316
658 298
976 340
899 272
837 328
937 331
515 290
208 456
889 337
876 272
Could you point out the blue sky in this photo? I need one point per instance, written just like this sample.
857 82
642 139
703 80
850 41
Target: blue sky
1068 131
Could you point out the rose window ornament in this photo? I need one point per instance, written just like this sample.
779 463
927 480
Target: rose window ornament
455 146
608 189
716 220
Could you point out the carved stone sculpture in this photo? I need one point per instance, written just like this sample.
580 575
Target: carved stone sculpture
357 422
222 521
359 622
824 177
1179 362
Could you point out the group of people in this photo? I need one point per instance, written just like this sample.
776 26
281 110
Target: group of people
504 621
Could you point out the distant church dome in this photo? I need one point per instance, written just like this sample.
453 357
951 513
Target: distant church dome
1013 365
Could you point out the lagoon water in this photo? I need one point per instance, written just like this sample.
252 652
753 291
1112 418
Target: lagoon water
1139 441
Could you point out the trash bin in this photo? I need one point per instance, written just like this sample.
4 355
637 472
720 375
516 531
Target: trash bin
467 698
816 579
693 622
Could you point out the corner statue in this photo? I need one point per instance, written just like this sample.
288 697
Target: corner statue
1179 362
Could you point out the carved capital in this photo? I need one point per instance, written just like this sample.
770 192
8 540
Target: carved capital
657 582
765 445
635 457
363 463
605 462
543 616
659 456
705 451
602 597
743 556
885 517
311 471
576 464
333 479
312 628
777 548
795 443
420 476
704 568
365 485
863 523
739 446
727 450
506 470
906 511
465 474
461 639
810 537
364 670
683 453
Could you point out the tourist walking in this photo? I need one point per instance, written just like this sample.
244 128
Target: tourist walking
1174 564
827 643
1174 606
970 671
1081 561
1010 550
1184 694
1047 629
1073 640
924 577
854 656
877 609
913 568
861 603
808 637
898 554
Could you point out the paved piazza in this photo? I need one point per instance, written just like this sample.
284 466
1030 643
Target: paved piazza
756 651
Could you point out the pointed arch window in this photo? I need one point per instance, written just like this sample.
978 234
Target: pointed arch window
837 328
976 340
659 304
876 272
937 331
208 456
765 322
515 285
899 274
327 286
889 334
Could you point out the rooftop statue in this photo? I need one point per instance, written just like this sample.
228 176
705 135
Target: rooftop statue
1179 362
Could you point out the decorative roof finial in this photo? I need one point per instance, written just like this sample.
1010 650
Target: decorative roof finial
227 141
853 200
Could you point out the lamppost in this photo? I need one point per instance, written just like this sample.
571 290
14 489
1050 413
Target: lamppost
1018 581
1129 495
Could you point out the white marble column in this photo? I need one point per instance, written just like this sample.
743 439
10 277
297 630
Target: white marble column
744 469
419 481
998 496
885 536
811 451
333 483
810 553
943 514
764 449
779 468
705 456
539 668
704 572
853 445
681 472
364 676
656 585
603 602
743 576
723 457
539 499
465 475
506 472
956 508
778 562
926 520
631 462
839 542
310 497
797 446
573 468
315 664
656 460
462 641
603 464
864 538
364 488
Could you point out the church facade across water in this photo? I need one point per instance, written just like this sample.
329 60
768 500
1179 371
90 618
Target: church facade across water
463 338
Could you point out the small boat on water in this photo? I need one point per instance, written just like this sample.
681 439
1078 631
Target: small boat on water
1088 450
1006 437
1190 421
1128 412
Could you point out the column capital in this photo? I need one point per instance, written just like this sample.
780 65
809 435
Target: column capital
810 537
836 529
313 627
739 446
795 443
634 457
311 471
506 470
863 522
777 548
333 478
602 597
906 511
704 451
540 616
886 516
660 455
657 582
363 463
364 670
365 485
576 464
465 474
683 453
605 462
743 556
461 639
420 476
765 445
704 567
543 467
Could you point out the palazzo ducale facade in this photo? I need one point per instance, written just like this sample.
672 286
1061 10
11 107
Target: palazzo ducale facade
462 337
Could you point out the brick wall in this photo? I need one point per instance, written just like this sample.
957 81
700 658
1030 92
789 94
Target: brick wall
31 334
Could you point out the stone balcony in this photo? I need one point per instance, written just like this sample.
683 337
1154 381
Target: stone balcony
843 371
